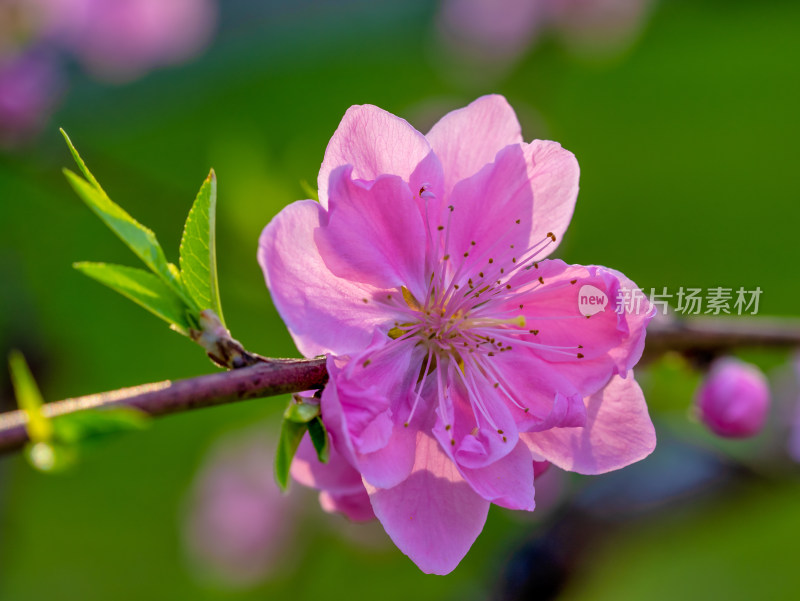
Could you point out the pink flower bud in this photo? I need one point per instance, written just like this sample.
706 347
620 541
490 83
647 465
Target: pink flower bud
734 399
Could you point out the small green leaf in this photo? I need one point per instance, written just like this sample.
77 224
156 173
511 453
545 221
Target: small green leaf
142 288
291 435
29 398
84 169
310 192
319 438
301 412
198 249
76 427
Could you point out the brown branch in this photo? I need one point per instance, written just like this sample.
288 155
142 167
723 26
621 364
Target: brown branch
270 377
711 336
267 378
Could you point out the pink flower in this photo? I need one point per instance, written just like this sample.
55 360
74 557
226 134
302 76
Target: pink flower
240 529
733 401
457 354
30 86
120 40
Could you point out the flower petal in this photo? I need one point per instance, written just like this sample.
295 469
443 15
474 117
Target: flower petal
324 313
365 409
585 351
507 482
474 426
618 432
355 506
433 516
374 232
513 210
336 476
468 138
376 142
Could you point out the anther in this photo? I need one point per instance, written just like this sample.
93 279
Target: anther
552 236
517 221
491 260
534 332
473 243
580 355
367 362
452 208
480 273
541 280
466 255
440 228
505 439
497 384
573 281
500 432
365 300
445 258
447 427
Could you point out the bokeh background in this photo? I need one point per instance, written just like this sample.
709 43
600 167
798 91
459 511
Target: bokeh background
683 115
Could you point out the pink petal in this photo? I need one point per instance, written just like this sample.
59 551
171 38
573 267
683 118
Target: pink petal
376 142
618 432
355 506
543 398
463 427
433 516
467 139
324 313
507 482
512 210
374 233
337 476
586 351
355 398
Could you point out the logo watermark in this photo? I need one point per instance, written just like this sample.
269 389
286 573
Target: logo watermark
686 301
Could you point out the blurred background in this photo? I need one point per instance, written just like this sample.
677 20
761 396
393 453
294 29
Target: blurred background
683 116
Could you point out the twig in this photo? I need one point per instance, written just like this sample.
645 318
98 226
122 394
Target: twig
270 377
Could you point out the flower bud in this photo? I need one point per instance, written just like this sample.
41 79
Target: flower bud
734 399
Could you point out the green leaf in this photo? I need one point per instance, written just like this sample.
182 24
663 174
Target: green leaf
310 192
29 398
291 435
141 240
198 249
76 427
300 412
319 438
84 169
142 288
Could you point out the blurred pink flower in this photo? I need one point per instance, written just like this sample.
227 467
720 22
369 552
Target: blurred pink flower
30 86
733 401
457 354
120 40
239 526
500 31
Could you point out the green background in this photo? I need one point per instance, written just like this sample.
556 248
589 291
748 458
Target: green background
688 151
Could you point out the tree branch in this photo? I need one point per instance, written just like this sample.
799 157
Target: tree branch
701 336
267 378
